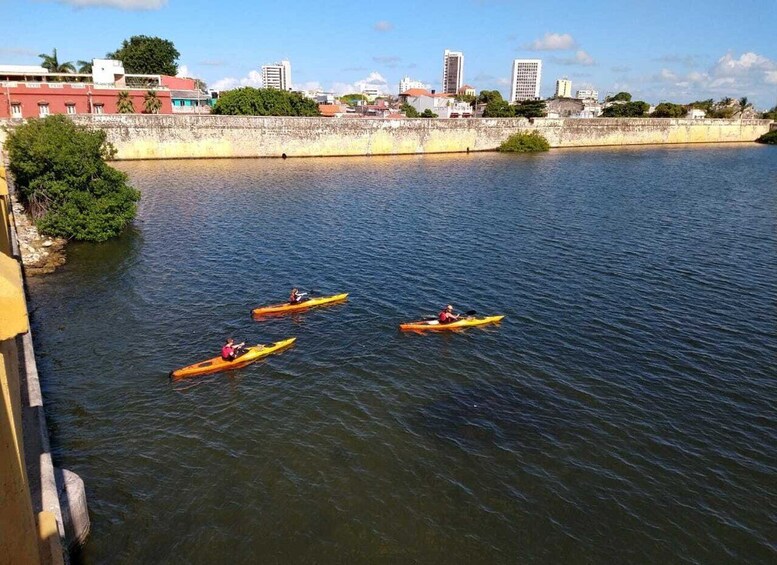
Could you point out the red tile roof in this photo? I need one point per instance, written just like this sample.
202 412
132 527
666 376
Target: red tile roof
416 92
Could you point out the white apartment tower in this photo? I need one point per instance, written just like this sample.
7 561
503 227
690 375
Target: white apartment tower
406 84
452 71
563 88
527 74
277 76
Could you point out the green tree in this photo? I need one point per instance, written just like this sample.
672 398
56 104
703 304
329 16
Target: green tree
124 103
51 64
705 105
427 114
248 101
468 98
768 138
151 103
620 97
770 114
531 109
409 111
669 110
147 55
64 181
525 143
353 99
84 67
628 110
487 96
498 108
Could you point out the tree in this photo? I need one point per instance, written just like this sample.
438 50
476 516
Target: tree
147 55
124 103
353 99
768 138
84 67
628 110
669 110
427 114
525 143
468 98
487 96
705 105
620 97
771 114
498 108
151 103
248 101
409 111
64 181
52 64
531 109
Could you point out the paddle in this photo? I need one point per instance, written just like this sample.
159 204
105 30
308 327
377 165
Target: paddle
465 314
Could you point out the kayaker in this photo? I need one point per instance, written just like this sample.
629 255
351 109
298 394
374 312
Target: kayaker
296 296
231 350
447 316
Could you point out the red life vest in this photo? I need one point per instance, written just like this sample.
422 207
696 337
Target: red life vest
227 352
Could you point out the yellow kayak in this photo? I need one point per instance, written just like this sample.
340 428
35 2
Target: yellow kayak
284 307
218 364
435 325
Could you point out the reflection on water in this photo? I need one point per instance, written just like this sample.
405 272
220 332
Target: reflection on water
622 411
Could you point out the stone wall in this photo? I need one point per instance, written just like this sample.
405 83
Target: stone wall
138 136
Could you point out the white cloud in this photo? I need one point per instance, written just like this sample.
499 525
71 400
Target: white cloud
374 79
553 42
254 78
770 77
580 58
727 65
183 71
120 4
383 25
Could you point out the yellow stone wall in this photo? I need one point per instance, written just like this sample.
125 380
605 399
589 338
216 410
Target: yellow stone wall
22 538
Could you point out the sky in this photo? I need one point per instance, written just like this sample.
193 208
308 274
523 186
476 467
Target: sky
658 50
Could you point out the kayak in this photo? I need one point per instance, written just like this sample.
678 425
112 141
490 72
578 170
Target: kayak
284 307
217 364
424 325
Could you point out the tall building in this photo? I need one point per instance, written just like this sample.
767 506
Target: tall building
452 71
406 84
527 74
277 76
563 88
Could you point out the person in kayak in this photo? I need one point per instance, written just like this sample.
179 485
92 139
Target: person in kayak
296 296
230 351
447 316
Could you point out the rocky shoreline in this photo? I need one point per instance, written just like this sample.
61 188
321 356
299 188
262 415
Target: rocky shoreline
40 254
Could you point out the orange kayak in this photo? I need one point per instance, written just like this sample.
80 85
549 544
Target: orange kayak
435 325
284 307
217 364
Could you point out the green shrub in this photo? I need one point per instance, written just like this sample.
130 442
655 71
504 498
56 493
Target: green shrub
768 138
64 181
525 143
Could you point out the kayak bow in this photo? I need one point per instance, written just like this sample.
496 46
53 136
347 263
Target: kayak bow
284 307
435 325
217 364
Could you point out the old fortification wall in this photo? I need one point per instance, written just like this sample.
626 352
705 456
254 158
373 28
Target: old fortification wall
138 136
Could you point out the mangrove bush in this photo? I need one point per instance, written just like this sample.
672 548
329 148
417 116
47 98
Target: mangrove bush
64 181
525 143
768 138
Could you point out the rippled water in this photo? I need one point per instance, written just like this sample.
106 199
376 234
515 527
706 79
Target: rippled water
624 411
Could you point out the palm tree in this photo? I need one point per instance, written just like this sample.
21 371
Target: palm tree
151 103
124 104
52 64
84 66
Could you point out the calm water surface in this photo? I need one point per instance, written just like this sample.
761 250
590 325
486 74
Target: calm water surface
624 411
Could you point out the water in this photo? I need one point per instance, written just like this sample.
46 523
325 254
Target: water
624 411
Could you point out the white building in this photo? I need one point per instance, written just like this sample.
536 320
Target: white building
587 94
371 92
444 105
525 84
406 84
696 114
277 76
452 71
563 88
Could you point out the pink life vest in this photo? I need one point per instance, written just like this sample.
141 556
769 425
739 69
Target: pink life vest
227 352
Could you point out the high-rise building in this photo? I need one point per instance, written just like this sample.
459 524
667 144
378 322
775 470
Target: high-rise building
277 76
452 71
563 88
527 74
406 84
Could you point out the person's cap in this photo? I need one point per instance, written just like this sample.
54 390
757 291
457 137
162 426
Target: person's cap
449 307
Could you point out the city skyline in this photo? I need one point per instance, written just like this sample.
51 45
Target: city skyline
708 51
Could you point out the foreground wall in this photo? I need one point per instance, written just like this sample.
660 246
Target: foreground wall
138 136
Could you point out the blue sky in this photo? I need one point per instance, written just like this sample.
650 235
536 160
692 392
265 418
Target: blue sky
657 50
